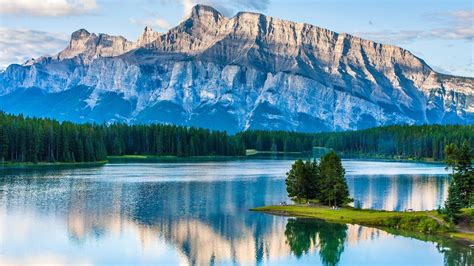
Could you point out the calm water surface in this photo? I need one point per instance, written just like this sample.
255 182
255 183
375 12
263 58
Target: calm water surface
197 213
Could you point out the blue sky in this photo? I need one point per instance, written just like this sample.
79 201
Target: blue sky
440 32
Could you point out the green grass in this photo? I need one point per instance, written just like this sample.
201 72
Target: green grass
129 157
466 236
168 158
48 164
251 152
393 158
422 221
346 155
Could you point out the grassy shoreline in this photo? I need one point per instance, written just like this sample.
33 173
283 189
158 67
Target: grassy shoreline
389 158
30 165
255 156
210 158
427 222
169 158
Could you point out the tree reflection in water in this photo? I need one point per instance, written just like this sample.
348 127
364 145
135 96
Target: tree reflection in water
302 235
456 254
95 212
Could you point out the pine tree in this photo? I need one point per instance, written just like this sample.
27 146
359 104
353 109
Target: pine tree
302 180
334 189
461 188
4 143
293 177
454 202
274 147
259 143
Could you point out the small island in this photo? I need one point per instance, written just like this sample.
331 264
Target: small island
320 191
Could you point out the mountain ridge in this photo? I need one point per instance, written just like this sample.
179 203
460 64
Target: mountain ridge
249 71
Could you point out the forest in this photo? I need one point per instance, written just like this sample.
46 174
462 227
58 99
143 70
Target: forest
396 141
24 139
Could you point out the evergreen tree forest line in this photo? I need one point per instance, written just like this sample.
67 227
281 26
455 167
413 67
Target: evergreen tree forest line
402 141
24 139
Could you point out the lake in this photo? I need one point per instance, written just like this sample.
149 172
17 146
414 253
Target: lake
197 213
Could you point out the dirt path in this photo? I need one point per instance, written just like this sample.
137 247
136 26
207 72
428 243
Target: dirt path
438 220
464 227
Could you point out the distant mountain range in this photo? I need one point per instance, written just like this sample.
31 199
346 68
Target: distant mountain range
246 72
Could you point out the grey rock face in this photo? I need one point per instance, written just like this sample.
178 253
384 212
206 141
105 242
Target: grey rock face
245 72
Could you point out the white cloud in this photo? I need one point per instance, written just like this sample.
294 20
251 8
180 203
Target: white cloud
453 33
156 21
466 70
19 45
459 17
47 8
227 7
441 69
457 25
391 36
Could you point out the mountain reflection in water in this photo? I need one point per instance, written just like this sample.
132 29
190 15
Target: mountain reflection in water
125 214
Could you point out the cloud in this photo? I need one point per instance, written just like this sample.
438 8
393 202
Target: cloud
457 25
227 7
459 17
441 69
391 36
47 8
453 33
152 22
19 45
466 70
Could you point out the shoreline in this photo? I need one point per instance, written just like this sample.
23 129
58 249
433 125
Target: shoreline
170 158
388 159
210 158
31 165
262 156
425 222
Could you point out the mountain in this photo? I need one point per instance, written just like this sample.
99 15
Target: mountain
246 72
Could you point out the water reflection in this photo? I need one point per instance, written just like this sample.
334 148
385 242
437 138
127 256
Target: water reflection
305 234
399 192
59 217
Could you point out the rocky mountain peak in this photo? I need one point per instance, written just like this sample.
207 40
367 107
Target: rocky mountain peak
204 17
205 13
203 27
249 71
89 46
147 37
147 29
80 34
80 41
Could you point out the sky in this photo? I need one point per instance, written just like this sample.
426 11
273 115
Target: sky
440 32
